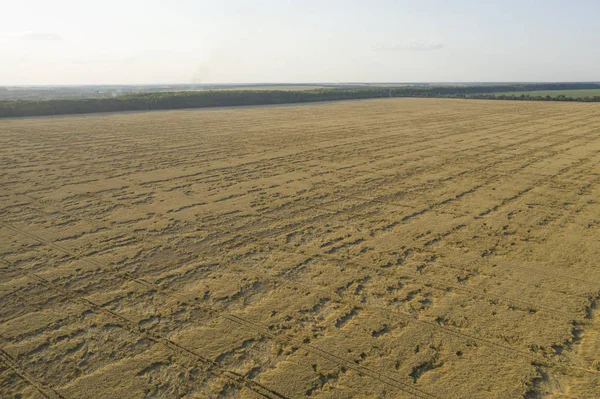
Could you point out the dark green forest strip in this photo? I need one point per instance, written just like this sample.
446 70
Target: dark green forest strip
223 98
557 93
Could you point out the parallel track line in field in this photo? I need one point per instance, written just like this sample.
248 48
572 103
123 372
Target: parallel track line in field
158 289
43 389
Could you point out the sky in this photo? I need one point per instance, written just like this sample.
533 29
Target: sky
73 42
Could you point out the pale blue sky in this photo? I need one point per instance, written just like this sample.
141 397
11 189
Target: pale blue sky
224 41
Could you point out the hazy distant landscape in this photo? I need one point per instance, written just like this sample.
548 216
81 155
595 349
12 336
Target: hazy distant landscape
93 99
110 91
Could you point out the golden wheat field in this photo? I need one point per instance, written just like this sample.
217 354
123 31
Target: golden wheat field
395 248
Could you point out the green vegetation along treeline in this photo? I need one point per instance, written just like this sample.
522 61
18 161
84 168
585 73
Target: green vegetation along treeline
557 93
221 98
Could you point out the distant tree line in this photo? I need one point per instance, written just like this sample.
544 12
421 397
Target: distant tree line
528 97
221 98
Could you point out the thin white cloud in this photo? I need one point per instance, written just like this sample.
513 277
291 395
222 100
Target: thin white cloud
413 45
423 45
41 36
31 36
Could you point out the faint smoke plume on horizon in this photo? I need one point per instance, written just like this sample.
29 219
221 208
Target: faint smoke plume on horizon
201 74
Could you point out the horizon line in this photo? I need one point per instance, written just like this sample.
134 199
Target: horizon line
305 83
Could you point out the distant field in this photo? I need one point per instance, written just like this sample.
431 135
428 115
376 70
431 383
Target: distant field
556 93
395 248
267 87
